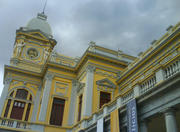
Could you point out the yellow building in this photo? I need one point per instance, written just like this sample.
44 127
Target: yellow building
45 91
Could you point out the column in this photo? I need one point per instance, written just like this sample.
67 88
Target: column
45 98
4 93
171 125
88 91
36 105
143 126
75 84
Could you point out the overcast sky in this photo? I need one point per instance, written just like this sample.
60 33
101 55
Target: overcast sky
130 25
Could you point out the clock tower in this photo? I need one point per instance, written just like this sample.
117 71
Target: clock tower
33 44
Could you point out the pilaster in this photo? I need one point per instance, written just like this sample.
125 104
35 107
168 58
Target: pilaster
159 75
4 93
88 91
136 91
73 102
36 105
45 97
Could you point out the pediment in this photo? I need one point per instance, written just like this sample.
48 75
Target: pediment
106 83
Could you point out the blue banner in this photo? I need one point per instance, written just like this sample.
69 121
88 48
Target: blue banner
132 123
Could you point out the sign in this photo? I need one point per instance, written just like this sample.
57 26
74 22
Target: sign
132 116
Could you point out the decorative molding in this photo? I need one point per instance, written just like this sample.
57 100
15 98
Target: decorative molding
14 82
59 96
64 88
106 74
106 83
165 60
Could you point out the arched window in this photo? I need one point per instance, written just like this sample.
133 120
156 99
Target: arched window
20 100
21 94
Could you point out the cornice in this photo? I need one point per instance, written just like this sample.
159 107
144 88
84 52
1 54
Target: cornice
27 72
148 56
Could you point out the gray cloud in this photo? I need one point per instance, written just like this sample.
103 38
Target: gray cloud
126 24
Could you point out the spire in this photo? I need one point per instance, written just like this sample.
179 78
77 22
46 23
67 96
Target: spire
44 7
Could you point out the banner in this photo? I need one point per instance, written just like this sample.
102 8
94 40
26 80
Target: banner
115 121
100 125
132 123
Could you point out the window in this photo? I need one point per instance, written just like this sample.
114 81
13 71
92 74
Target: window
104 98
17 110
27 112
79 107
57 112
7 108
18 106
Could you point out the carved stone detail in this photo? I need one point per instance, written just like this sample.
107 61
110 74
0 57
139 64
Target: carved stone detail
74 82
49 76
18 47
8 80
90 68
80 86
53 56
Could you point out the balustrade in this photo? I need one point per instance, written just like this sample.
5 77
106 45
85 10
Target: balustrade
14 124
147 85
172 69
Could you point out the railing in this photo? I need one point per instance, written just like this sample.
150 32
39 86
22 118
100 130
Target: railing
147 85
172 69
13 124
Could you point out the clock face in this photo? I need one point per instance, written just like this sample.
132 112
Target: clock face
32 53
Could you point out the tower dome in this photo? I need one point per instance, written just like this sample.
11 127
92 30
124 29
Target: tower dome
40 22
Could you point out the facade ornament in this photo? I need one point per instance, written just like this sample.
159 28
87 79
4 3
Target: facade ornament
14 61
25 83
46 54
90 68
119 74
92 45
19 46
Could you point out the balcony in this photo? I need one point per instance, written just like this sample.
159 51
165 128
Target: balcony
10 123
